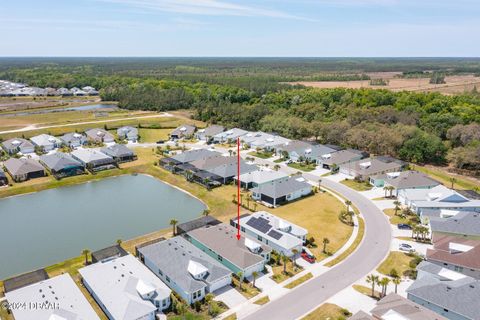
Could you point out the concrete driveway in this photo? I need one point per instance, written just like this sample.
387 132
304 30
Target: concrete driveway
229 296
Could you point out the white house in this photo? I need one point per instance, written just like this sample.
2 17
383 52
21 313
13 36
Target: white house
46 142
229 136
125 289
259 177
128 133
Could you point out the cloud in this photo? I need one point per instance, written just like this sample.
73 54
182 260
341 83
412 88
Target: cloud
205 7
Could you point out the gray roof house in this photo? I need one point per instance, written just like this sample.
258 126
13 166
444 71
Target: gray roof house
74 139
187 270
62 164
94 160
409 180
99 135
259 177
224 168
229 136
3 178
278 192
454 299
128 133
24 169
263 140
196 223
209 132
46 142
465 224
108 253
68 302
246 255
183 131
365 169
119 153
125 289
15 145
342 157
301 151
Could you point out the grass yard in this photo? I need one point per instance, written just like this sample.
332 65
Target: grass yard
444 177
262 301
153 135
302 166
396 219
231 317
318 214
356 185
299 281
356 242
280 276
366 291
248 291
399 261
261 154
328 311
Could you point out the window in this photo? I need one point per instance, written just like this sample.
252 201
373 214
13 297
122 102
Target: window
168 279
220 258
259 238
242 228
160 272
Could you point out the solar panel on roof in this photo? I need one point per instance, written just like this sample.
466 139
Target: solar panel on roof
275 234
262 226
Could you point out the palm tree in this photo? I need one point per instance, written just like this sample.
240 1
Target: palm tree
206 212
452 181
373 279
348 203
86 252
240 279
254 206
385 189
390 190
248 202
384 283
230 151
325 242
397 206
294 257
276 167
208 300
119 241
254 275
284 260
396 281
241 198
173 223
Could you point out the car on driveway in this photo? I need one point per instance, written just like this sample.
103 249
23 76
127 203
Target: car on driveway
404 226
405 247
307 255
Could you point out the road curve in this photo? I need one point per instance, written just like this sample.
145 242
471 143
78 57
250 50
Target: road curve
372 250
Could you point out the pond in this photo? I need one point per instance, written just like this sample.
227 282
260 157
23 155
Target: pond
90 107
43 228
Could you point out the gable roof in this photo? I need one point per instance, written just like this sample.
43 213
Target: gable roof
45 140
222 240
127 131
90 155
97 133
196 154
176 257
14 143
117 150
261 176
230 134
457 251
410 179
212 130
394 304
22 166
73 137
279 188
463 223
184 130
376 165
59 160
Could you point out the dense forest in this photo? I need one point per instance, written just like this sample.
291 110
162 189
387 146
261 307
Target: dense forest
250 93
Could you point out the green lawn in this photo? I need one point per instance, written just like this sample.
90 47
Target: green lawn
356 185
302 166
356 242
328 311
444 177
396 219
366 291
261 154
280 276
396 260
153 135
299 281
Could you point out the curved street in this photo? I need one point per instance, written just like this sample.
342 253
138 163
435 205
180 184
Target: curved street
372 250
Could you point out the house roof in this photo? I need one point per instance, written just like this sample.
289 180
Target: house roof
295 145
470 194
279 188
117 150
459 296
229 168
97 133
274 229
261 176
90 155
212 130
463 223
127 131
438 271
73 136
119 283
108 253
395 305
184 130
60 290
45 140
361 315
222 240
2 173
17 143
59 160
22 166
410 179
261 139
372 166
196 154
176 257
230 134
343 156
457 251
197 223
24 280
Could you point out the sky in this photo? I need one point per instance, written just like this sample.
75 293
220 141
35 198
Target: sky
238 28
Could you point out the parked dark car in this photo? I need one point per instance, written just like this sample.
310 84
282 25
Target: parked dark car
404 226
160 141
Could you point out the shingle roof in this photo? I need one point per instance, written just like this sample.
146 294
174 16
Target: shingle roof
45 140
117 150
394 304
375 165
192 155
98 134
230 134
212 130
127 131
184 130
59 160
361 315
279 188
172 256
22 166
344 156
262 176
411 179
463 223
73 137
457 251
90 156
16 143
222 240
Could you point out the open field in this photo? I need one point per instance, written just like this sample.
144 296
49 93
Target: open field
327 311
26 103
454 84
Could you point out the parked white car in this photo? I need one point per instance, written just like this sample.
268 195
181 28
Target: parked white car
406 247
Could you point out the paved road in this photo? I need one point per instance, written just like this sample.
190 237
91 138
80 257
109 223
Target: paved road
373 249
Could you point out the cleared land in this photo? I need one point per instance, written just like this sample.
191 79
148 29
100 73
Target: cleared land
27 103
454 84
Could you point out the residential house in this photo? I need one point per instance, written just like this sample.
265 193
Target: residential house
91 91
3 178
453 299
283 236
262 140
94 160
229 136
187 270
50 299
24 169
259 177
108 253
436 199
125 289
62 164
120 153
128 133
184 131
15 145
334 160
430 269
367 169
78 92
64 92
299 151
209 132
455 253
24 280
172 163
46 142
464 224
279 192
203 221
221 169
406 180
246 255
99 135
74 139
